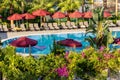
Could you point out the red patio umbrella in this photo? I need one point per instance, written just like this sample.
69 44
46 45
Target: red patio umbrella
75 14
24 42
117 41
15 16
28 16
40 12
106 14
70 43
59 15
87 14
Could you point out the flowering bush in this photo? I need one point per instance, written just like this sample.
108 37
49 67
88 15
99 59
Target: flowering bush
90 64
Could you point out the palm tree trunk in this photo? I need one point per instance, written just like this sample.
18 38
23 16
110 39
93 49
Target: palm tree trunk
116 8
1 78
105 3
11 9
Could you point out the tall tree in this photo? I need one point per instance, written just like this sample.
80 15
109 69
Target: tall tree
70 5
12 5
43 4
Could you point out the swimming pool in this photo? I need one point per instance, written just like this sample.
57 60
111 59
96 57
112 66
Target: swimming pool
46 41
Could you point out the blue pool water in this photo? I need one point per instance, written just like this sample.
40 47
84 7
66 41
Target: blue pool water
47 41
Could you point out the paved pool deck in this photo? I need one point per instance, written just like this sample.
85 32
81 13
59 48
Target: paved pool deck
7 35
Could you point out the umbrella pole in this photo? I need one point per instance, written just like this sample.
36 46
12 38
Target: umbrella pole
29 50
24 50
76 22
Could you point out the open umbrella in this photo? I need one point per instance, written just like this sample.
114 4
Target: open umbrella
106 14
28 16
58 15
87 14
15 16
76 15
116 41
40 13
24 42
70 43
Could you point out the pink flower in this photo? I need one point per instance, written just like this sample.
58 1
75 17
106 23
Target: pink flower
83 54
62 72
108 56
66 54
102 48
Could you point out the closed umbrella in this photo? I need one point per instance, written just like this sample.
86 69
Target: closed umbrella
70 43
24 42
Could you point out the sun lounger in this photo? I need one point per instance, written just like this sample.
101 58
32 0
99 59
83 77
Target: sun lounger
73 25
13 26
82 25
64 26
36 27
68 24
86 24
55 25
31 27
45 26
50 26
1 28
118 23
112 24
41 48
22 26
5 28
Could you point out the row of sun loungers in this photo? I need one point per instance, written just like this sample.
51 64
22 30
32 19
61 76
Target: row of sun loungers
44 26
47 26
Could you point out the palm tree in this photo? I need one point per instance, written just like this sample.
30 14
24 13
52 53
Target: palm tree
11 5
70 5
43 4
